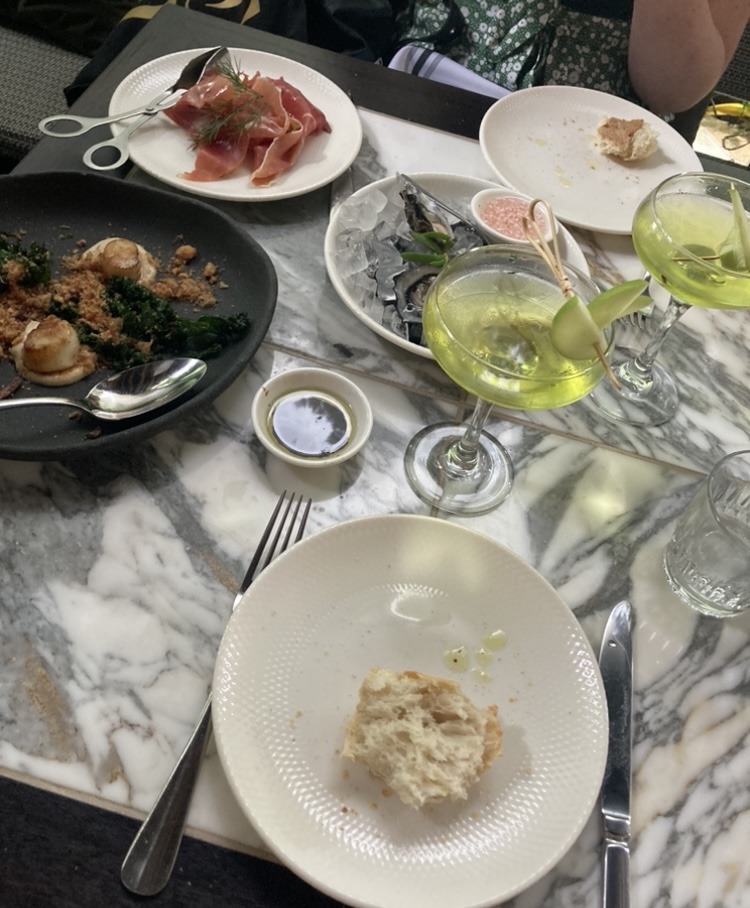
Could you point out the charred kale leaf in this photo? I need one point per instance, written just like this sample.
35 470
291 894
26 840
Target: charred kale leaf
117 356
150 326
33 260
147 317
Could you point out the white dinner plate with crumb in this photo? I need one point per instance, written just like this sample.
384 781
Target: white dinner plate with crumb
407 592
164 151
456 191
541 141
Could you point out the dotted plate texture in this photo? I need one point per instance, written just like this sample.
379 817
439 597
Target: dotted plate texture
400 592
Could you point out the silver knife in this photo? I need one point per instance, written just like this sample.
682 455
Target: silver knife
616 664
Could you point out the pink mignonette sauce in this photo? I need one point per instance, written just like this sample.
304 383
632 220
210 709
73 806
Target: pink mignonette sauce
504 214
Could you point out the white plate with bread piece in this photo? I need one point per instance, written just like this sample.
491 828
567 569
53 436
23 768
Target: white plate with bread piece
545 141
460 625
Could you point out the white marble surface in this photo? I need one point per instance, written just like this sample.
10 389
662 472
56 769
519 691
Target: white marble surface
119 573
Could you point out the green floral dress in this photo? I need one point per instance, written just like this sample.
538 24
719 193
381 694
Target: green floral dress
518 43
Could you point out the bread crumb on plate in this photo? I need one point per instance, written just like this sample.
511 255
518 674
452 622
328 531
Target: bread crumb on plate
628 140
421 735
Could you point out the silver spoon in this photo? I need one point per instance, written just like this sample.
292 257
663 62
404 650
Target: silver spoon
130 393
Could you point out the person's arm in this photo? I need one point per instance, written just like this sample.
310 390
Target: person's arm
679 49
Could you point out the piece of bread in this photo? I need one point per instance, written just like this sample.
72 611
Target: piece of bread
629 140
421 735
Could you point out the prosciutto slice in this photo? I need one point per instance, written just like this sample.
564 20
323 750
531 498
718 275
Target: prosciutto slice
298 106
257 122
219 158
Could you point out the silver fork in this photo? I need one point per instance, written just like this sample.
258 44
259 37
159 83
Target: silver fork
641 318
149 862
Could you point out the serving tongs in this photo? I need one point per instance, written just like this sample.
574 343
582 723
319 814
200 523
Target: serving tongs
467 219
193 72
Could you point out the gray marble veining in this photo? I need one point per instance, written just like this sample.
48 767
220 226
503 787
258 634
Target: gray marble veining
706 351
118 573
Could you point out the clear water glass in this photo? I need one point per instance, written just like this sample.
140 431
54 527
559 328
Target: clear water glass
708 558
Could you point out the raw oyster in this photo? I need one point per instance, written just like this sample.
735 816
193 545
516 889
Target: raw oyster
400 285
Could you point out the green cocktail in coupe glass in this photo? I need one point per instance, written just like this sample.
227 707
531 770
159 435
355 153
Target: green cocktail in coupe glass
487 321
692 234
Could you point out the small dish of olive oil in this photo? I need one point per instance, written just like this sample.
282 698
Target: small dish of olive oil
311 417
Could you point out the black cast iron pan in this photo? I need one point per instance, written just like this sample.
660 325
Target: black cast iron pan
58 210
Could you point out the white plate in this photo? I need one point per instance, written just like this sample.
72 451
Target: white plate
398 592
162 148
455 190
540 141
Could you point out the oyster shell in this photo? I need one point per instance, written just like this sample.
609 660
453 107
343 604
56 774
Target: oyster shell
411 287
402 286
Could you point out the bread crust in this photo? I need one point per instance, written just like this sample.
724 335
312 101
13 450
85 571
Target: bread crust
628 140
421 735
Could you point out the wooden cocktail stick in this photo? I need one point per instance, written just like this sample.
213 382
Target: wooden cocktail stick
553 258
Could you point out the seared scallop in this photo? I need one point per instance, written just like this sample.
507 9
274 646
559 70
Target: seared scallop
49 353
119 257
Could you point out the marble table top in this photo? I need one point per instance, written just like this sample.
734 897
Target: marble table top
119 572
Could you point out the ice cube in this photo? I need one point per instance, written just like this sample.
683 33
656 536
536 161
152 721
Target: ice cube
361 213
350 258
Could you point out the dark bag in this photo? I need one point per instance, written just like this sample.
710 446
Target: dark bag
365 29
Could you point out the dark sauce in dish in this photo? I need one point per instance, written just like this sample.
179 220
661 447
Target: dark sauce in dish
310 423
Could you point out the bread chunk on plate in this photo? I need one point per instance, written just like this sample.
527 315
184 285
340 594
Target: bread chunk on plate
421 735
629 140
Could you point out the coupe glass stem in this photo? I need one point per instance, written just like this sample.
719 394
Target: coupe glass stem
647 393
638 373
460 469
462 458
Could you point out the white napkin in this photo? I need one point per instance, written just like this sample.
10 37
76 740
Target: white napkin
431 65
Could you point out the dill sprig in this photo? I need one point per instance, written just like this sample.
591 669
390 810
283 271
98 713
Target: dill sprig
231 71
230 116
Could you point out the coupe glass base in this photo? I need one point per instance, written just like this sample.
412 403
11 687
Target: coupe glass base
437 482
642 400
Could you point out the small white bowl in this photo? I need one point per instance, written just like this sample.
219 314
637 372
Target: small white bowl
311 417
518 204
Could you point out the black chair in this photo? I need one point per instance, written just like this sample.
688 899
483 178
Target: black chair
736 80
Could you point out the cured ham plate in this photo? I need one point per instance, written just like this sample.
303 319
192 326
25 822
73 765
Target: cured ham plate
163 149
59 209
